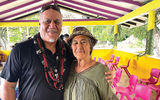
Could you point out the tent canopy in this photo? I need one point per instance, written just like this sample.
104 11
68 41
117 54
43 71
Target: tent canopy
12 10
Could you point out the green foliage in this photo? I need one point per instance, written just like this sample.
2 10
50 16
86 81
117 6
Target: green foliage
100 32
138 32
106 33
16 34
139 44
149 42
33 31
32 17
115 40
3 37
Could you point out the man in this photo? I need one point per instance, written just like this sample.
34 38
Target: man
40 65
65 37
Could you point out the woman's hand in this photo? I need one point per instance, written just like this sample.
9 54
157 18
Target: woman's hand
109 77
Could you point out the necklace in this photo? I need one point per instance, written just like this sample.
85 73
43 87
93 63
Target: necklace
53 73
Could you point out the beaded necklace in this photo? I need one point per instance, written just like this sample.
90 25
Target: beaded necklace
53 73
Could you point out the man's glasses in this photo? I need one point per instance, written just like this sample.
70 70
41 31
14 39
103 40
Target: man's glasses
54 7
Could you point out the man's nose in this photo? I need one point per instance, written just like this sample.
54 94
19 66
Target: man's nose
52 24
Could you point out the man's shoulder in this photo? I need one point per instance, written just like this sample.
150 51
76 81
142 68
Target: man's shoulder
25 43
23 46
65 44
69 54
67 47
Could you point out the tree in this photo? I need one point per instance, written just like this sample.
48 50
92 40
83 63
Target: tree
3 39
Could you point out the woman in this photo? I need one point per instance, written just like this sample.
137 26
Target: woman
86 80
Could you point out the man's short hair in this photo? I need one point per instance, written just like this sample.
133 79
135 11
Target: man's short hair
54 7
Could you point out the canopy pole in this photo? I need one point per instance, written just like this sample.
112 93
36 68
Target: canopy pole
115 36
71 29
150 33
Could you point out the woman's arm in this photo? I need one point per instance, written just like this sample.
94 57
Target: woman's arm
8 90
104 86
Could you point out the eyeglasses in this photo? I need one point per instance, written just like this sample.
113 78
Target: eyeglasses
54 7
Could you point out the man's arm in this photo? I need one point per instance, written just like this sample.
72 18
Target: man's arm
109 77
8 90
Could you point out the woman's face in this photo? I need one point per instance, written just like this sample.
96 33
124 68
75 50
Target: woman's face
81 47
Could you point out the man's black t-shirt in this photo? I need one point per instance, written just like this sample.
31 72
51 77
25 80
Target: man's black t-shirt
24 64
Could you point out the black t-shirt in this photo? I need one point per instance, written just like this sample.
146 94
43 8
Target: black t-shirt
24 64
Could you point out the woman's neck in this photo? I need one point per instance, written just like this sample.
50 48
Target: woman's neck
83 64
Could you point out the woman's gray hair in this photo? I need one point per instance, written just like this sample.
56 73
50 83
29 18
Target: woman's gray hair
91 44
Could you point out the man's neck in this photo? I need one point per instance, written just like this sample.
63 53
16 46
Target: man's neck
51 46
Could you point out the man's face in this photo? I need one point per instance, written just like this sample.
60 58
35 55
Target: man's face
50 25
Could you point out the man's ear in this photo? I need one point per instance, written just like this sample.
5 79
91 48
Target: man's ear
39 25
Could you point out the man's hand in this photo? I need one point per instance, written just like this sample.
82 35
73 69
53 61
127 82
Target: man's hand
109 77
